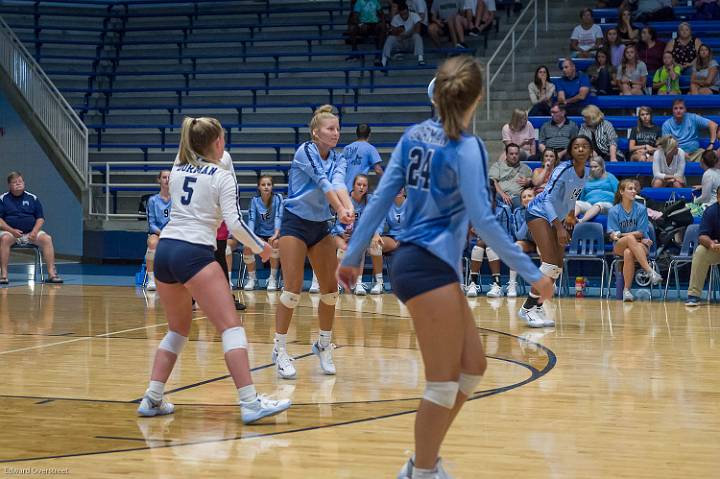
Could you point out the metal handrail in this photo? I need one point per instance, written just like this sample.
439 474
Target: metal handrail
515 40
48 105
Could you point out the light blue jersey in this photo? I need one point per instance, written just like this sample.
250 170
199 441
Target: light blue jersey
393 224
620 221
262 220
359 206
360 157
447 187
158 213
520 229
503 215
310 177
559 196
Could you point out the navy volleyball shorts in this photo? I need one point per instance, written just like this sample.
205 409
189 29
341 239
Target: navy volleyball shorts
416 271
310 232
177 261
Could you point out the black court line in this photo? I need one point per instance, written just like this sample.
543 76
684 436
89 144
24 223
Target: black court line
535 375
45 401
120 438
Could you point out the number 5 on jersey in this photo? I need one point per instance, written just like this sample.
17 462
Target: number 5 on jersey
418 172
188 189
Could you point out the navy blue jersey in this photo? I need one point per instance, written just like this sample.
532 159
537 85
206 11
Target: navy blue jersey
447 188
262 220
20 212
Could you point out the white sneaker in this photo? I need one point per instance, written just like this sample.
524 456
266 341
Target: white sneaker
326 357
283 363
407 470
151 286
272 284
655 278
627 296
471 291
150 408
495 291
359 290
314 287
547 322
532 317
262 407
377 289
512 289
249 284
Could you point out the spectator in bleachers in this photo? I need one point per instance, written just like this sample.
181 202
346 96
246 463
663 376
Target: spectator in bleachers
484 14
684 127
643 137
602 74
668 164
614 46
705 79
628 227
653 10
509 176
603 135
519 131
598 193
361 156
666 80
650 49
710 178
632 74
586 37
542 91
629 35
158 215
573 88
21 222
707 9
404 35
684 47
443 22
367 20
557 132
542 174
707 251
420 8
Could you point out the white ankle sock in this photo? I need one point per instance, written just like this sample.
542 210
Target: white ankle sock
251 275
273 273
155 390
151 276
325 338
379 278
247 393
423 473
280 340
513 276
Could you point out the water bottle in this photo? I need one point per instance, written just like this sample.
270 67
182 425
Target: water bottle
580 287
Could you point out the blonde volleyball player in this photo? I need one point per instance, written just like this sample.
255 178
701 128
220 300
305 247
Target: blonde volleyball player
185 267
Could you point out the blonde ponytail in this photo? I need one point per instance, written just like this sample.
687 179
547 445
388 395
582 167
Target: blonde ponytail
458 84
324 112
196 137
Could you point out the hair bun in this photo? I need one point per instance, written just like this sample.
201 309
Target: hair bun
324 109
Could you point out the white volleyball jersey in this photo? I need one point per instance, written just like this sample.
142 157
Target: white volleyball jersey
202 198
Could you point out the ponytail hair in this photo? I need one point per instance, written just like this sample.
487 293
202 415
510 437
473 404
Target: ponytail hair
458 84
324 112
196 137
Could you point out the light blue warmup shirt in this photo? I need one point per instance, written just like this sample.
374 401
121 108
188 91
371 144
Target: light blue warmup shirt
262 220
520 229
559 196
360 157
339 228
393 224
447 188
158 213
310 177
620 221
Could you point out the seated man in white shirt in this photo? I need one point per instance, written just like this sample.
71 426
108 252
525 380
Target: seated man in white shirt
404 34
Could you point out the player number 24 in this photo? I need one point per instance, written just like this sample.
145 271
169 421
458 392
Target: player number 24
418 172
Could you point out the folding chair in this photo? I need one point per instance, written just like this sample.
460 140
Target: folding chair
587 244
38 266
690 242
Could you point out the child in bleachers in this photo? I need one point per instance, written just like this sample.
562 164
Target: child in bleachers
643 137
628 227
632 73
668 164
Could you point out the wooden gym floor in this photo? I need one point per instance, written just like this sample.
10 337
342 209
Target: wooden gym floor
614 390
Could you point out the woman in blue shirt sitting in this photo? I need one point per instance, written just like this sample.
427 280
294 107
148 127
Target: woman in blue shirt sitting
599 192
628 228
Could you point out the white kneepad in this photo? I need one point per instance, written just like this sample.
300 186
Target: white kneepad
275 254
375 250
173 342
477 253
289 300
468 383
149 255
492 255
234 338
441 393
550 270
329 298
248 258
